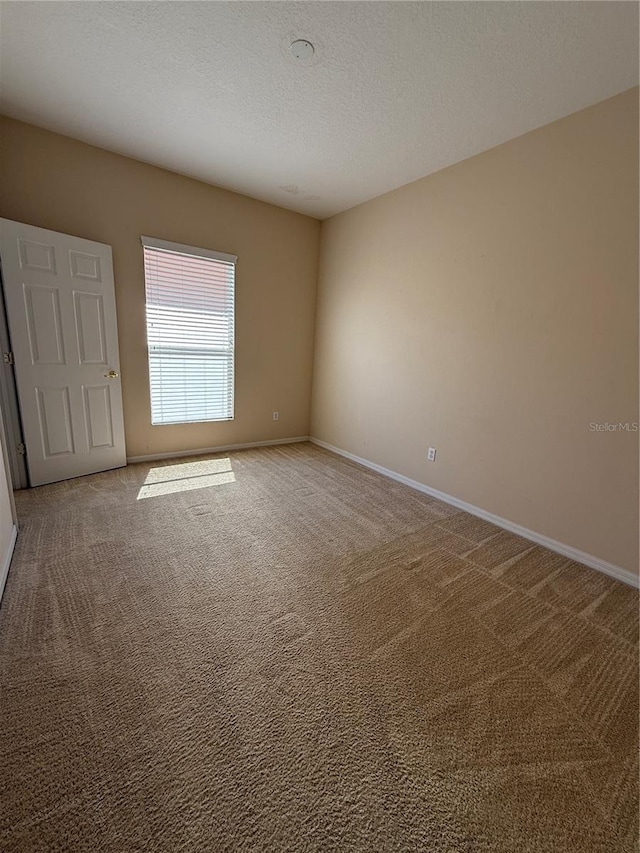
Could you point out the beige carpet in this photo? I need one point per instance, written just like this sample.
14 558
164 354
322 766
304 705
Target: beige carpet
282 651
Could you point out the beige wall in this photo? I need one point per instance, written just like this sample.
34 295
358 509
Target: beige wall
55 182
491 311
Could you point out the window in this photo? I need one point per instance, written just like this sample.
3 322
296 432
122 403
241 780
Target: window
190 331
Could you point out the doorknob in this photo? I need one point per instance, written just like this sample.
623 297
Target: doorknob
112 374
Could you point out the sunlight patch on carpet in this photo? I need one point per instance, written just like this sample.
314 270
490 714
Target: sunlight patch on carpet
186 477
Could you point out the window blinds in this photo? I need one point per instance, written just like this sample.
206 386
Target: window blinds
190 332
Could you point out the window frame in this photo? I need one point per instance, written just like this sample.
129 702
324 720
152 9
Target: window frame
154 243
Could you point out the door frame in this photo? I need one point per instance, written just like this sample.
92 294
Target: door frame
10 405
5 559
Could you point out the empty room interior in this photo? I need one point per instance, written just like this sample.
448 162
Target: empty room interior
319 517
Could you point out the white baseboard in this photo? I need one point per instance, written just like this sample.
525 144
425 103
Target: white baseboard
6 560
224 448
610 569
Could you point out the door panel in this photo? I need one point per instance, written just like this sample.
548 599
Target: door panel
54 415
60 299
42 307
37 256
85 266
97 407
90 328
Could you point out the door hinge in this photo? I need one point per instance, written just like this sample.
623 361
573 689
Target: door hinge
22 450
8 358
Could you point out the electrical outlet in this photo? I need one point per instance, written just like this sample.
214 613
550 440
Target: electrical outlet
431 455
276 416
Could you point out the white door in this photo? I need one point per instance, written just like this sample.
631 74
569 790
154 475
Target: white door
61 308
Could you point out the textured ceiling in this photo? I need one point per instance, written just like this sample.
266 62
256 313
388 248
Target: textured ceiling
394 92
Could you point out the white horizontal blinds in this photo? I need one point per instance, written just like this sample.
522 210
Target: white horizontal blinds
190 333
